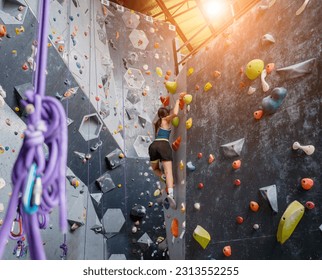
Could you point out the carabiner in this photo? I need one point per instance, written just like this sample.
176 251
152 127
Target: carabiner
16 224
32 192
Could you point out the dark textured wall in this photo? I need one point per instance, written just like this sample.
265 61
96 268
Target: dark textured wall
225 114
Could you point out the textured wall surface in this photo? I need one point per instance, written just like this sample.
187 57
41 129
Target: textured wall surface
225 114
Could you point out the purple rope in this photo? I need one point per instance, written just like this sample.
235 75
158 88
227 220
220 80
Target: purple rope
47 124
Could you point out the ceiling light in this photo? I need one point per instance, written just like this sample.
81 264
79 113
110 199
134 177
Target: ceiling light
214 7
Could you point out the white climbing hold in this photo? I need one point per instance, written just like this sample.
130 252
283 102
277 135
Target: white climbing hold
2 183
2 92
2 102
265 85
197 206
251 90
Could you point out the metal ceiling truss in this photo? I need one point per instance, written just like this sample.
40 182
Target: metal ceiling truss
170 13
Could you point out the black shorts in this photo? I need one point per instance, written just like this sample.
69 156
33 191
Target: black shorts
160 150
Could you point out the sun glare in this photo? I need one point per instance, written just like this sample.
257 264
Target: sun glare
214 7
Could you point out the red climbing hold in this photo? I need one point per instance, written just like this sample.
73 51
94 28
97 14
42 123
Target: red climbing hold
236 164
307 183
165 100
253 205
239 220
237 182
199 155
227 251
176 144
309 205
200 186
3 30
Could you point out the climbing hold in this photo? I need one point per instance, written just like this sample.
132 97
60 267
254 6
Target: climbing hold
265 85
254 68
171 86
159 72
211 158
181 104
189 123
157 192
181 165
182 207
258 114
2 183
199 155
208 86
234 148
290 219
3 30
137 212
30 109
254 206
197 206
197 87
190 71
190 166
236 164
2 102
216 74
256 226
165 100
302 8
308 149
97 98
251 90
269 193
175 227
269 68
166 77
61 48
272 102
169 72
237 182
176 144
227 251
298 69
267 39
201 236
307 183
309 205
19 30
200 186
187 98
156 45
175 121
25 66
239 220
134 229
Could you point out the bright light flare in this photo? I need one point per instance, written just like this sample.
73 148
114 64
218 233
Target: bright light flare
214 7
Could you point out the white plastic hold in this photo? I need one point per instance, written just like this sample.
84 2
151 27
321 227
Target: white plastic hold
268 39
302 8
308 149
251 90
2 102
197 206
2 183
265 85
134 229
2 92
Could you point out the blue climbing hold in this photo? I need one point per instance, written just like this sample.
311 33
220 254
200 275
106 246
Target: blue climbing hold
190 166
272 102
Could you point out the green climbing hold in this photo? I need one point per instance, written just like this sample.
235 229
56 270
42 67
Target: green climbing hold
175 121
171 87
254 68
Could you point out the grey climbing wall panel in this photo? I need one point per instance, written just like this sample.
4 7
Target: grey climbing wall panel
225 113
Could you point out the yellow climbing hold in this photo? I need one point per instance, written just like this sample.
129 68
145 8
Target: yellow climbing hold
254 68
187 98
159 72
157 192
189 123
181 165
190 71
207 86
171 87
175 121
290 219
201 236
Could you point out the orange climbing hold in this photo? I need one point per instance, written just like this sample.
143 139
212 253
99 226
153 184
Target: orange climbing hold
216 74
227 251
165 100
254 206
169 72
175 227
258 114
176 144
61 48
181 104
211 158
3 30
236 164
307 183
270 67
199 155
